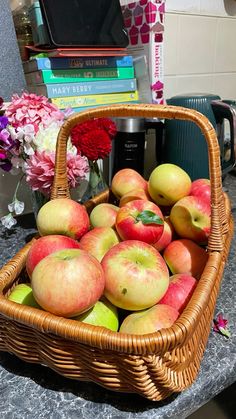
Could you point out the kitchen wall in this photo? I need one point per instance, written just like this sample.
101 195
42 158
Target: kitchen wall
199 47
200 53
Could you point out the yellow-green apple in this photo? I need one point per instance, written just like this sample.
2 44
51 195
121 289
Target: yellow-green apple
45 245
191 218
202 188
98 241
140 220
133 195
167 235
168 183
136 275
103 313
126 180
179 291
68 282
23 294
63 216
185 256
103 215
149 321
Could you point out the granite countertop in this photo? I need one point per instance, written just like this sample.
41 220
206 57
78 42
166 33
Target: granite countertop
29 390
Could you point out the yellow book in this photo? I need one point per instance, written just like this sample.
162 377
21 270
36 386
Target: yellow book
94 100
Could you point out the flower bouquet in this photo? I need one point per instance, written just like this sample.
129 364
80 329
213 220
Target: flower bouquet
29 128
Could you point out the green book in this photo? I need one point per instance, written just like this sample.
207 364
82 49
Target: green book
76 75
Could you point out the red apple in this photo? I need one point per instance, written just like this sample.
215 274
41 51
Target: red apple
44 246
179 291
126 180
191 218
136 275
166 237
168 183
63 216
68 282
202 188
184 256
140 220
149 321
98 241
103 215
133 195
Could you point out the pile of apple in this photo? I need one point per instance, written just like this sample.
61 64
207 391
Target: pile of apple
131 267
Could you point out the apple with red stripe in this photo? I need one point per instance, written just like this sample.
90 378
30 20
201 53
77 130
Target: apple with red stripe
63 216
125 180
202 188
179 291
149 321
140 220
98 241
136 275
191 218
46 245
184 255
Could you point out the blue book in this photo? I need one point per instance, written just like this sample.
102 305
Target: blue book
63 63
83 88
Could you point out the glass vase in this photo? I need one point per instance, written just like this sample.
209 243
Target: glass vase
38 200
96 182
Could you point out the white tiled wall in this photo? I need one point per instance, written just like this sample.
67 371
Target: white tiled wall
199 47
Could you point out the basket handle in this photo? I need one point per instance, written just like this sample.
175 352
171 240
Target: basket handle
60 188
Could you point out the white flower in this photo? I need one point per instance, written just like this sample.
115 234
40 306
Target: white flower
16 206
8 221
46 139
12 132
28 149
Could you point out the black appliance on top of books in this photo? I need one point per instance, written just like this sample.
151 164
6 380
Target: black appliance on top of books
84 23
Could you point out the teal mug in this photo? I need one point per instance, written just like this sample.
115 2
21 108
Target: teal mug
185 145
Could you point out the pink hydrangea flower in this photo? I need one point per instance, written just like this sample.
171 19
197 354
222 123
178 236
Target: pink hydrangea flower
40 170
32 109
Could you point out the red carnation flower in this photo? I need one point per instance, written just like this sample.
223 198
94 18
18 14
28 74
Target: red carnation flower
94 144
93 138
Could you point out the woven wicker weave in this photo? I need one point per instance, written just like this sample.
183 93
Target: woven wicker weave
153 365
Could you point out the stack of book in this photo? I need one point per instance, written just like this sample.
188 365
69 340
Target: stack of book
82 82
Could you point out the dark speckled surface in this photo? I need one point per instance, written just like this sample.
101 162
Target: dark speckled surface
32 391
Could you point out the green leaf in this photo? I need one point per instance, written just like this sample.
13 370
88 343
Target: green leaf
149 217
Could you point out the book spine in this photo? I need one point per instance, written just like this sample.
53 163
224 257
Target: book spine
85 88
73 76
93 100
45 63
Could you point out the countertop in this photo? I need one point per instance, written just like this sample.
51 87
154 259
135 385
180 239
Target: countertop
33 391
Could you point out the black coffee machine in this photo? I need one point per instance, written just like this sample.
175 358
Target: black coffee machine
129 144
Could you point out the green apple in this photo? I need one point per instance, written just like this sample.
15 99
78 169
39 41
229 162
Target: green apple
103 313
23 294
168 183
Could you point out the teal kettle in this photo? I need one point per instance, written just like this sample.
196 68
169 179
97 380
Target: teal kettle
185 145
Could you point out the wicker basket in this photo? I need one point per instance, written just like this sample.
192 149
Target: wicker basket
153 365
